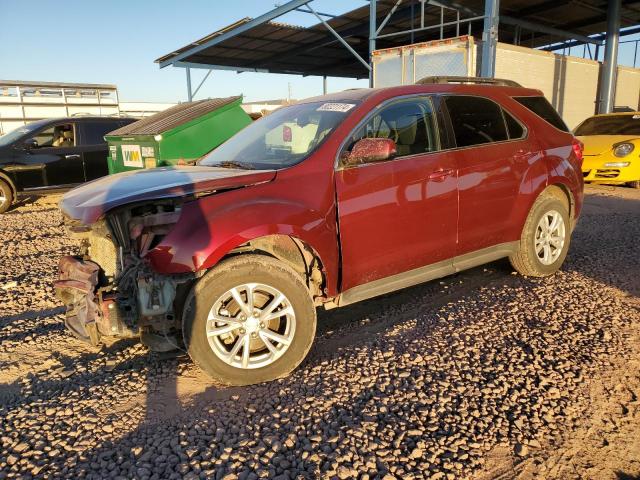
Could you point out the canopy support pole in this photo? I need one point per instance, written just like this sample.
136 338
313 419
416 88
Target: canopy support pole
609 67
189 94
195 92
490 38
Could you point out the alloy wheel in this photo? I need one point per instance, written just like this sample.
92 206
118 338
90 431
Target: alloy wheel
550 237
251 326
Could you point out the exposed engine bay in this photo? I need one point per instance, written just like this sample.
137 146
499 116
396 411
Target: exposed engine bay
110 291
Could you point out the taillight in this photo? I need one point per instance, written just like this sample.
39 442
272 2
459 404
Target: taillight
578 150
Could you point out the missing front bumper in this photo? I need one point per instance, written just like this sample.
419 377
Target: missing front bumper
91 312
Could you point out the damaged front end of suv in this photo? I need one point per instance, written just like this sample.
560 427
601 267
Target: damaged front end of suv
110 290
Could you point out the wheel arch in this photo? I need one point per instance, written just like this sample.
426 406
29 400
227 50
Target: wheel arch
293 251
6 178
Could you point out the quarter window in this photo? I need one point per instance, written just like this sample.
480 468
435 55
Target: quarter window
93 133
514 127
410 123
541 107
475 120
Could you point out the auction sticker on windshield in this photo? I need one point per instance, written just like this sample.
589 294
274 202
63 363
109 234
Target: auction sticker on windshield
335 107
131 156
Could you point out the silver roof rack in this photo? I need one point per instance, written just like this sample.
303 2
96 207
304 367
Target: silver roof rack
476 80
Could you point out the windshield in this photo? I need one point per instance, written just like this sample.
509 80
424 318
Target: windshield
22 131
610 125
281 139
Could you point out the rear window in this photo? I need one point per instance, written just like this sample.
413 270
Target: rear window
541 107
476 120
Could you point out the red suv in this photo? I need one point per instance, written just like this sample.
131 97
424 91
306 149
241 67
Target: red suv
327 202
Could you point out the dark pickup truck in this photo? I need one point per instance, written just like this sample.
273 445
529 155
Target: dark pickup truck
53 155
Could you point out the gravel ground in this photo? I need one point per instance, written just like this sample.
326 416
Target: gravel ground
485 374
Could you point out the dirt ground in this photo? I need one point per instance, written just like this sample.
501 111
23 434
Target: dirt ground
482 375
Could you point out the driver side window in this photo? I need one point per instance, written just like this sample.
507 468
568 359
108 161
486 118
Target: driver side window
58 136
409 122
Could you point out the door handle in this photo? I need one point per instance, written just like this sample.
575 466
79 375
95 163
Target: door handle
440 175
73 156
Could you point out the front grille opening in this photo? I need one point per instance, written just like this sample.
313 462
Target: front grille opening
608 173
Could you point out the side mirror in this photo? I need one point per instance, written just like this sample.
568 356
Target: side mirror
370 150
30 143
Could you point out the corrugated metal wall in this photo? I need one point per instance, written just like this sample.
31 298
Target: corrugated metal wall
570 83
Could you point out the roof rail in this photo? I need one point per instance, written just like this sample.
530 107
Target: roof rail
479 80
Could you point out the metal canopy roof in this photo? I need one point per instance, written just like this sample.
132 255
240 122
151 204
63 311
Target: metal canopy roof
280 48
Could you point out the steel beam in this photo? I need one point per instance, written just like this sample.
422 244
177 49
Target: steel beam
206 66
431 27
527 25
490 38
189 94
373 18
275 13
340 39
206 75
387 18
609 67
599 37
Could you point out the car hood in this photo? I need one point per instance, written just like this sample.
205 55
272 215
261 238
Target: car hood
90 201
599 144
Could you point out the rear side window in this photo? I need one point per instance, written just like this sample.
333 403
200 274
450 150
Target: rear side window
476 120
93 132
541 107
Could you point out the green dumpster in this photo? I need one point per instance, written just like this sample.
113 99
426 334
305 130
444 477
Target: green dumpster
176 136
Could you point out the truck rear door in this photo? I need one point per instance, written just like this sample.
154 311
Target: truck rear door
94 147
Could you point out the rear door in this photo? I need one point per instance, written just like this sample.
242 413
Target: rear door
493 154
94 147
399 214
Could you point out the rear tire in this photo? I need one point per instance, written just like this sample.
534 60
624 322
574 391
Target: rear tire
6 196
545 237
634 184
221 323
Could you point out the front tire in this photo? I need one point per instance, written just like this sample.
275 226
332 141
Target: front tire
545 237
634 184
249 320
6 196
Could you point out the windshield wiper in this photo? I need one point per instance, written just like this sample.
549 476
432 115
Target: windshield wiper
233 164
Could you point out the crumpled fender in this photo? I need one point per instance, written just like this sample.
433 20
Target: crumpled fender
209 228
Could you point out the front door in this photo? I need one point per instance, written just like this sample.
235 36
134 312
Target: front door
57 156
400 214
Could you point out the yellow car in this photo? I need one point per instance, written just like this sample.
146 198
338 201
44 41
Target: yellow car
611 148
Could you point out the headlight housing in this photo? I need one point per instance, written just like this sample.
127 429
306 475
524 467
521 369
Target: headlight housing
623 149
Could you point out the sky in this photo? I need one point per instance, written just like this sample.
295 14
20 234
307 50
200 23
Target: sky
117 41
